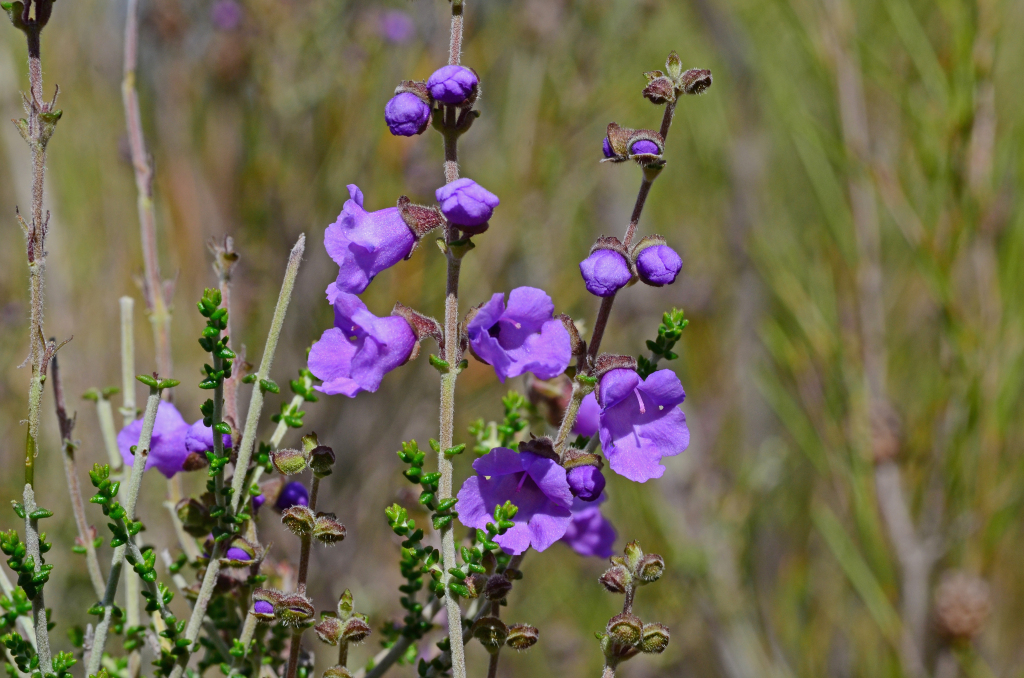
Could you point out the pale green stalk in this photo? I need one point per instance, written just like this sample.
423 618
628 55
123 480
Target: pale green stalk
105 412
127 360
245 448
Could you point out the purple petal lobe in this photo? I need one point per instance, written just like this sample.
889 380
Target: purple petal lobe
658 265
452 85
588 418
167 448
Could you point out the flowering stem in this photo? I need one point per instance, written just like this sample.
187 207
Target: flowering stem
492 668
117 561
67 425
153 286
252 418
296 645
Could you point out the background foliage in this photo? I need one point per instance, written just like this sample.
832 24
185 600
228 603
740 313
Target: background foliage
781 563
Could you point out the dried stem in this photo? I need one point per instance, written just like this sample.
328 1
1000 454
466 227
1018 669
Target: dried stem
67 425
153 286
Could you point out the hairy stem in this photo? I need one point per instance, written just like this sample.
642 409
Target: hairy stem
127 360
306 543
153 286
67 425
108 430
117 561
252 418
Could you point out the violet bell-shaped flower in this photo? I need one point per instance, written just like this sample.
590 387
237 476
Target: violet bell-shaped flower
406 114
467 204
536 485
641 422
453 84
658 265
167 450
590 533
605 272
360 349
521 337
365 243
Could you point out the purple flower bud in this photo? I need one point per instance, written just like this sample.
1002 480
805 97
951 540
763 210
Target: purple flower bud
586 482
467 204
605 272
292 494
226 15
644 146
396 27
258 501
658 265
452 85
263 607
235 553
606 147
406 114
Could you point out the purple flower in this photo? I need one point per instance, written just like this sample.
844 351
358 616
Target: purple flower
406 114
536 485
396 27
588 418
292 494
226 15
522 337
235 553
167 448
644 146
199 438
365 243
263 607
452 85
360 349
606 148
605 272
658 265
258 501
641 422
586 482
589 533
467 204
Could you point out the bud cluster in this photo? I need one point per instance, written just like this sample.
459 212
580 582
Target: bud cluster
626 635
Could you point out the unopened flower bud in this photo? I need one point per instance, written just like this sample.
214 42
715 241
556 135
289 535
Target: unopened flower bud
605 272
616 579
625 628
633 554
453 85
962 605
522 636
467 204
329 630
289 462
355 629
658 265
239 554
650 568
406 114
644 147
655 638
497 587
294 609
291 494
345 605
327 530
310 442
491 632
321 460
586 482
337 672
299 520
673 65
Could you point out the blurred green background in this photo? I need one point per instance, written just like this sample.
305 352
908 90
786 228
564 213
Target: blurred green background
829 122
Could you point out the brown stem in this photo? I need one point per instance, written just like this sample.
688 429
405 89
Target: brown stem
293 655
492 668
67 425
342 653
156 301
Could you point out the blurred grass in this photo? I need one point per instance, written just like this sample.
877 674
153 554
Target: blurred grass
781 563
